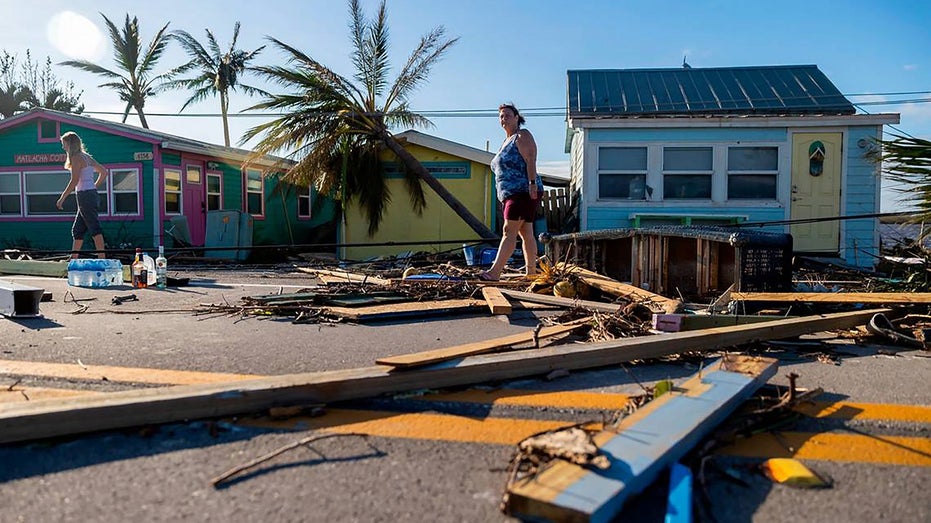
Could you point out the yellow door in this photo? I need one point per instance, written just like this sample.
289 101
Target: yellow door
816 192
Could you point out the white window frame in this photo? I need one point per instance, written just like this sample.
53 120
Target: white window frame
247 191
218 194
709 174
624 172
307 195
112 192
166 192
773 173
66 177
18 176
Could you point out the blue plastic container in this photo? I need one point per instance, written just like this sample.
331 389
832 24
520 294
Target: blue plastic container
95 273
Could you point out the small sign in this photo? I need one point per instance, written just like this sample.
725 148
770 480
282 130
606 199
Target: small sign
40 158
142 156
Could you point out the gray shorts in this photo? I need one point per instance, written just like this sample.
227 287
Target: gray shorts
86 219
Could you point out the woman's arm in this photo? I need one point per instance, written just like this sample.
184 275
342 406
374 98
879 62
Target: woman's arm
102 171
72 183
528 150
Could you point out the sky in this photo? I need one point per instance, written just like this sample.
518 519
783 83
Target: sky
515 51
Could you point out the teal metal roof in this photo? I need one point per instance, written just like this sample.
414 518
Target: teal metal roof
764 90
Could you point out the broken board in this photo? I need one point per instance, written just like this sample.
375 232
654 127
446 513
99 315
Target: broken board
643 444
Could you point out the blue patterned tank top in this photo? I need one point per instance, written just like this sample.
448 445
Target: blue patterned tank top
511 171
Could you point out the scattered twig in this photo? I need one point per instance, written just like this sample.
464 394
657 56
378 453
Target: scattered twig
258 461
15 383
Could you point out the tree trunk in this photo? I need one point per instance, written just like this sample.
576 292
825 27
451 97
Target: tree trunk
474 223
224 108
145 125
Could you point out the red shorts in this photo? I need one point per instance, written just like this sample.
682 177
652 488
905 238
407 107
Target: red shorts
520 207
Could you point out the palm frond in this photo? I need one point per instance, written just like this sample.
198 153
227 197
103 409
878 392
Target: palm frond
431 49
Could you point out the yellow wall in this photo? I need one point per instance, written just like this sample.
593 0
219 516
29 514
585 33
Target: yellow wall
437 223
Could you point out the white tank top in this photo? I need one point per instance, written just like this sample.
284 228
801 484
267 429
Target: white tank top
86 180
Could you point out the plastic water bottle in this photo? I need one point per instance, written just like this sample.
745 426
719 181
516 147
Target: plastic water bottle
161 269
94 273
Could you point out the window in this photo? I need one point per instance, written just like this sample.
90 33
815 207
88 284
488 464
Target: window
124 191
437 169
254 192
622 172
214 192
10 202
172 191
192 175
43 190
303 203
752 173
687 173
48 131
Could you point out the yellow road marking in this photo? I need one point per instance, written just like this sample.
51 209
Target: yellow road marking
120 374
852 448
535 398
881 411
443 427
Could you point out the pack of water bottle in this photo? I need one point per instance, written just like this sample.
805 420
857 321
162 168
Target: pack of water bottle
95 273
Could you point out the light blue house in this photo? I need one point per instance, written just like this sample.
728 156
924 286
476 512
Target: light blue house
777 146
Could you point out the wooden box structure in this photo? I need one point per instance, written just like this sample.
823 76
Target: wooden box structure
674 260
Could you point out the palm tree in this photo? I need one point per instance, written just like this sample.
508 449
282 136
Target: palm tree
219 71
907 160
135 80
335 129
14 99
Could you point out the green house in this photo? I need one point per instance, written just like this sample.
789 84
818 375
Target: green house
162 190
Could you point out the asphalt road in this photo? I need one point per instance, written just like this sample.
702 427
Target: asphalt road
442 460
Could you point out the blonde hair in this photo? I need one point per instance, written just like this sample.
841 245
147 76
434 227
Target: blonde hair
72 145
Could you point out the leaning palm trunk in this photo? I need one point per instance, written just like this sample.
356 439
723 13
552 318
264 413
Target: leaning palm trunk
474 223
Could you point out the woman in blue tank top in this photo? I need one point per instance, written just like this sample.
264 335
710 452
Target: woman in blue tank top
519 189
82 182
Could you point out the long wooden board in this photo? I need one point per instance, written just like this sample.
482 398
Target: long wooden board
345 276
835 297
473 349
548 299
407 310
601 282
55 269
44 419
644 443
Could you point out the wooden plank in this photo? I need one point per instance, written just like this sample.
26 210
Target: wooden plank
479 347
835 297
690 322
643 444
548 299
496 301
407 310
346 277
44 419
624 290
53 269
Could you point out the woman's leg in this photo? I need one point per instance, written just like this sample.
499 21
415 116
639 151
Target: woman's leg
505 248
100 246
76 248
529 245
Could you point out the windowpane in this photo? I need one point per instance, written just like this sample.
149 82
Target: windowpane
102 204
125 180
213 202
687 159
172 181
303 206
47 182
254 203
45 204
172 203
752 159
213 184
48 129
125 203
751 186
687 187
622 158
253 180
193 175
9 183
628 186
10 204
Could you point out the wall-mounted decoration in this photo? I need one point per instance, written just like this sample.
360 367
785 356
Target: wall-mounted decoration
816 158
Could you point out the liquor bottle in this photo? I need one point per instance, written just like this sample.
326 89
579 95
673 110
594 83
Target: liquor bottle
161 269
140 274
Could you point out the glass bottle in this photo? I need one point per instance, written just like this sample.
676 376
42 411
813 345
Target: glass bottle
139 272
161 269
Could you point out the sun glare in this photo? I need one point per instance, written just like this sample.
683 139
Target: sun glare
75 36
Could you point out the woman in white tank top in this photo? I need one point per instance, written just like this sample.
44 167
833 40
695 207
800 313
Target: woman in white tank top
82 182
